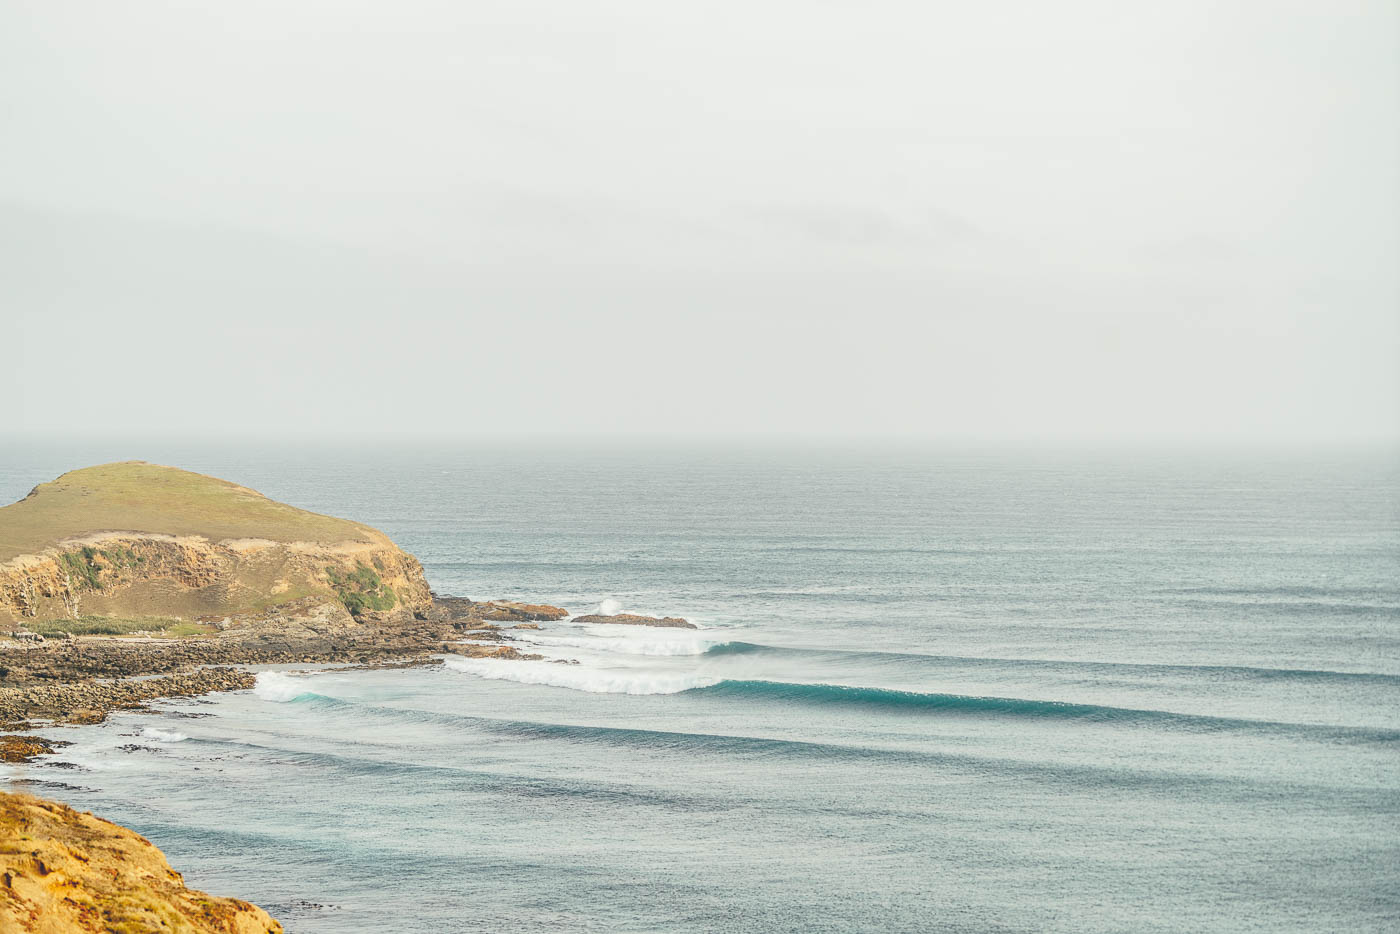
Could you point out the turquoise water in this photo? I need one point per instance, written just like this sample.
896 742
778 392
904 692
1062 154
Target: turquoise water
933 691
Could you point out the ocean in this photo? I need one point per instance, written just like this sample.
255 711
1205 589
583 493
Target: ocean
962 690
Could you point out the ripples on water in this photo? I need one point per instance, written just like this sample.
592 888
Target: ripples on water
931 692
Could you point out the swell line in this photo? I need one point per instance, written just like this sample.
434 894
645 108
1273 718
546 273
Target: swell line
1243 672
688 745
915 702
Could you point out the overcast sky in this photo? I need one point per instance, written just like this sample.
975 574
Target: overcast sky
810 217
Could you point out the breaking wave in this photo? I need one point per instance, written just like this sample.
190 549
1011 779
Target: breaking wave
581 678
280 688
681 643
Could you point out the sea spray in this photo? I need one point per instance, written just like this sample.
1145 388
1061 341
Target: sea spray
579 678
650 643
280 687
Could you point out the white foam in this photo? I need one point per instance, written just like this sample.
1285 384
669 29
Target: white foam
581 678
609 607
279 687
163 736
626 643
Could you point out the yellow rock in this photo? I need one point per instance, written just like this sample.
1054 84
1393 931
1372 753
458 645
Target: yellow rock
66 871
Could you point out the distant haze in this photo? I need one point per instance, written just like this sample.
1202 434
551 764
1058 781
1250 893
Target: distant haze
820 218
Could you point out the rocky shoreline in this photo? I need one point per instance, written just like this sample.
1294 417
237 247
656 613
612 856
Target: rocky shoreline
82 679
125 582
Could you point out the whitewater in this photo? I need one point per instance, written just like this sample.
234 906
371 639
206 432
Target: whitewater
929 691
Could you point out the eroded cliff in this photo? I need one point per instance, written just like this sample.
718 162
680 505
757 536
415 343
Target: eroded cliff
66 871
137 539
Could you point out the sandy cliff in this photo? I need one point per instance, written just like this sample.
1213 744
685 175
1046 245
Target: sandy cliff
65 871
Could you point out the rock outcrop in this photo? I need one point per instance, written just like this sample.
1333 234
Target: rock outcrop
464 610
136 539
15 749
631 619
66 871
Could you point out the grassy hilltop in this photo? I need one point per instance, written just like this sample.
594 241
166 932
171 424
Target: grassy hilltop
135 541
133 496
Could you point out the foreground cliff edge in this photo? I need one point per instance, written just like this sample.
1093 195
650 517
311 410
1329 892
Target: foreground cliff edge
62 870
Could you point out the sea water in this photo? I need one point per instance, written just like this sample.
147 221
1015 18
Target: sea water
930 691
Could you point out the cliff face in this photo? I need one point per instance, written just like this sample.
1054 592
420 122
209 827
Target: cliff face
65 871
140 540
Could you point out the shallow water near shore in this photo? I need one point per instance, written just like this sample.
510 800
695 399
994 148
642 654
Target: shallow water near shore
960 691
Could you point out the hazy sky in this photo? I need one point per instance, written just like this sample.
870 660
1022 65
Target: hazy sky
935 220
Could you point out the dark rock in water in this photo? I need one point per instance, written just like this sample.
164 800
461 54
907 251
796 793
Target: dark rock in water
40 783
471 650
631 619
302 904
504 611
462 612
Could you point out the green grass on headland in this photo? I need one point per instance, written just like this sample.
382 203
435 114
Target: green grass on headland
134 496
361 590
162 626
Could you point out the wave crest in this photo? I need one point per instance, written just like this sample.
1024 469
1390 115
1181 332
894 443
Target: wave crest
579 678
280 688
654 644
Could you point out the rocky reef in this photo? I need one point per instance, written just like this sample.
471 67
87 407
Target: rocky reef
80 679
631 619
464 612
15 749
90 701
66 871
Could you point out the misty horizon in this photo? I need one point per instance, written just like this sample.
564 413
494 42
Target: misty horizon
1083 224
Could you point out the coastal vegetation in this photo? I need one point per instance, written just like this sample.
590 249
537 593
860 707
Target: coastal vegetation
162 626
361 589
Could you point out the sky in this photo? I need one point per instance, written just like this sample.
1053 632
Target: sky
934 220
